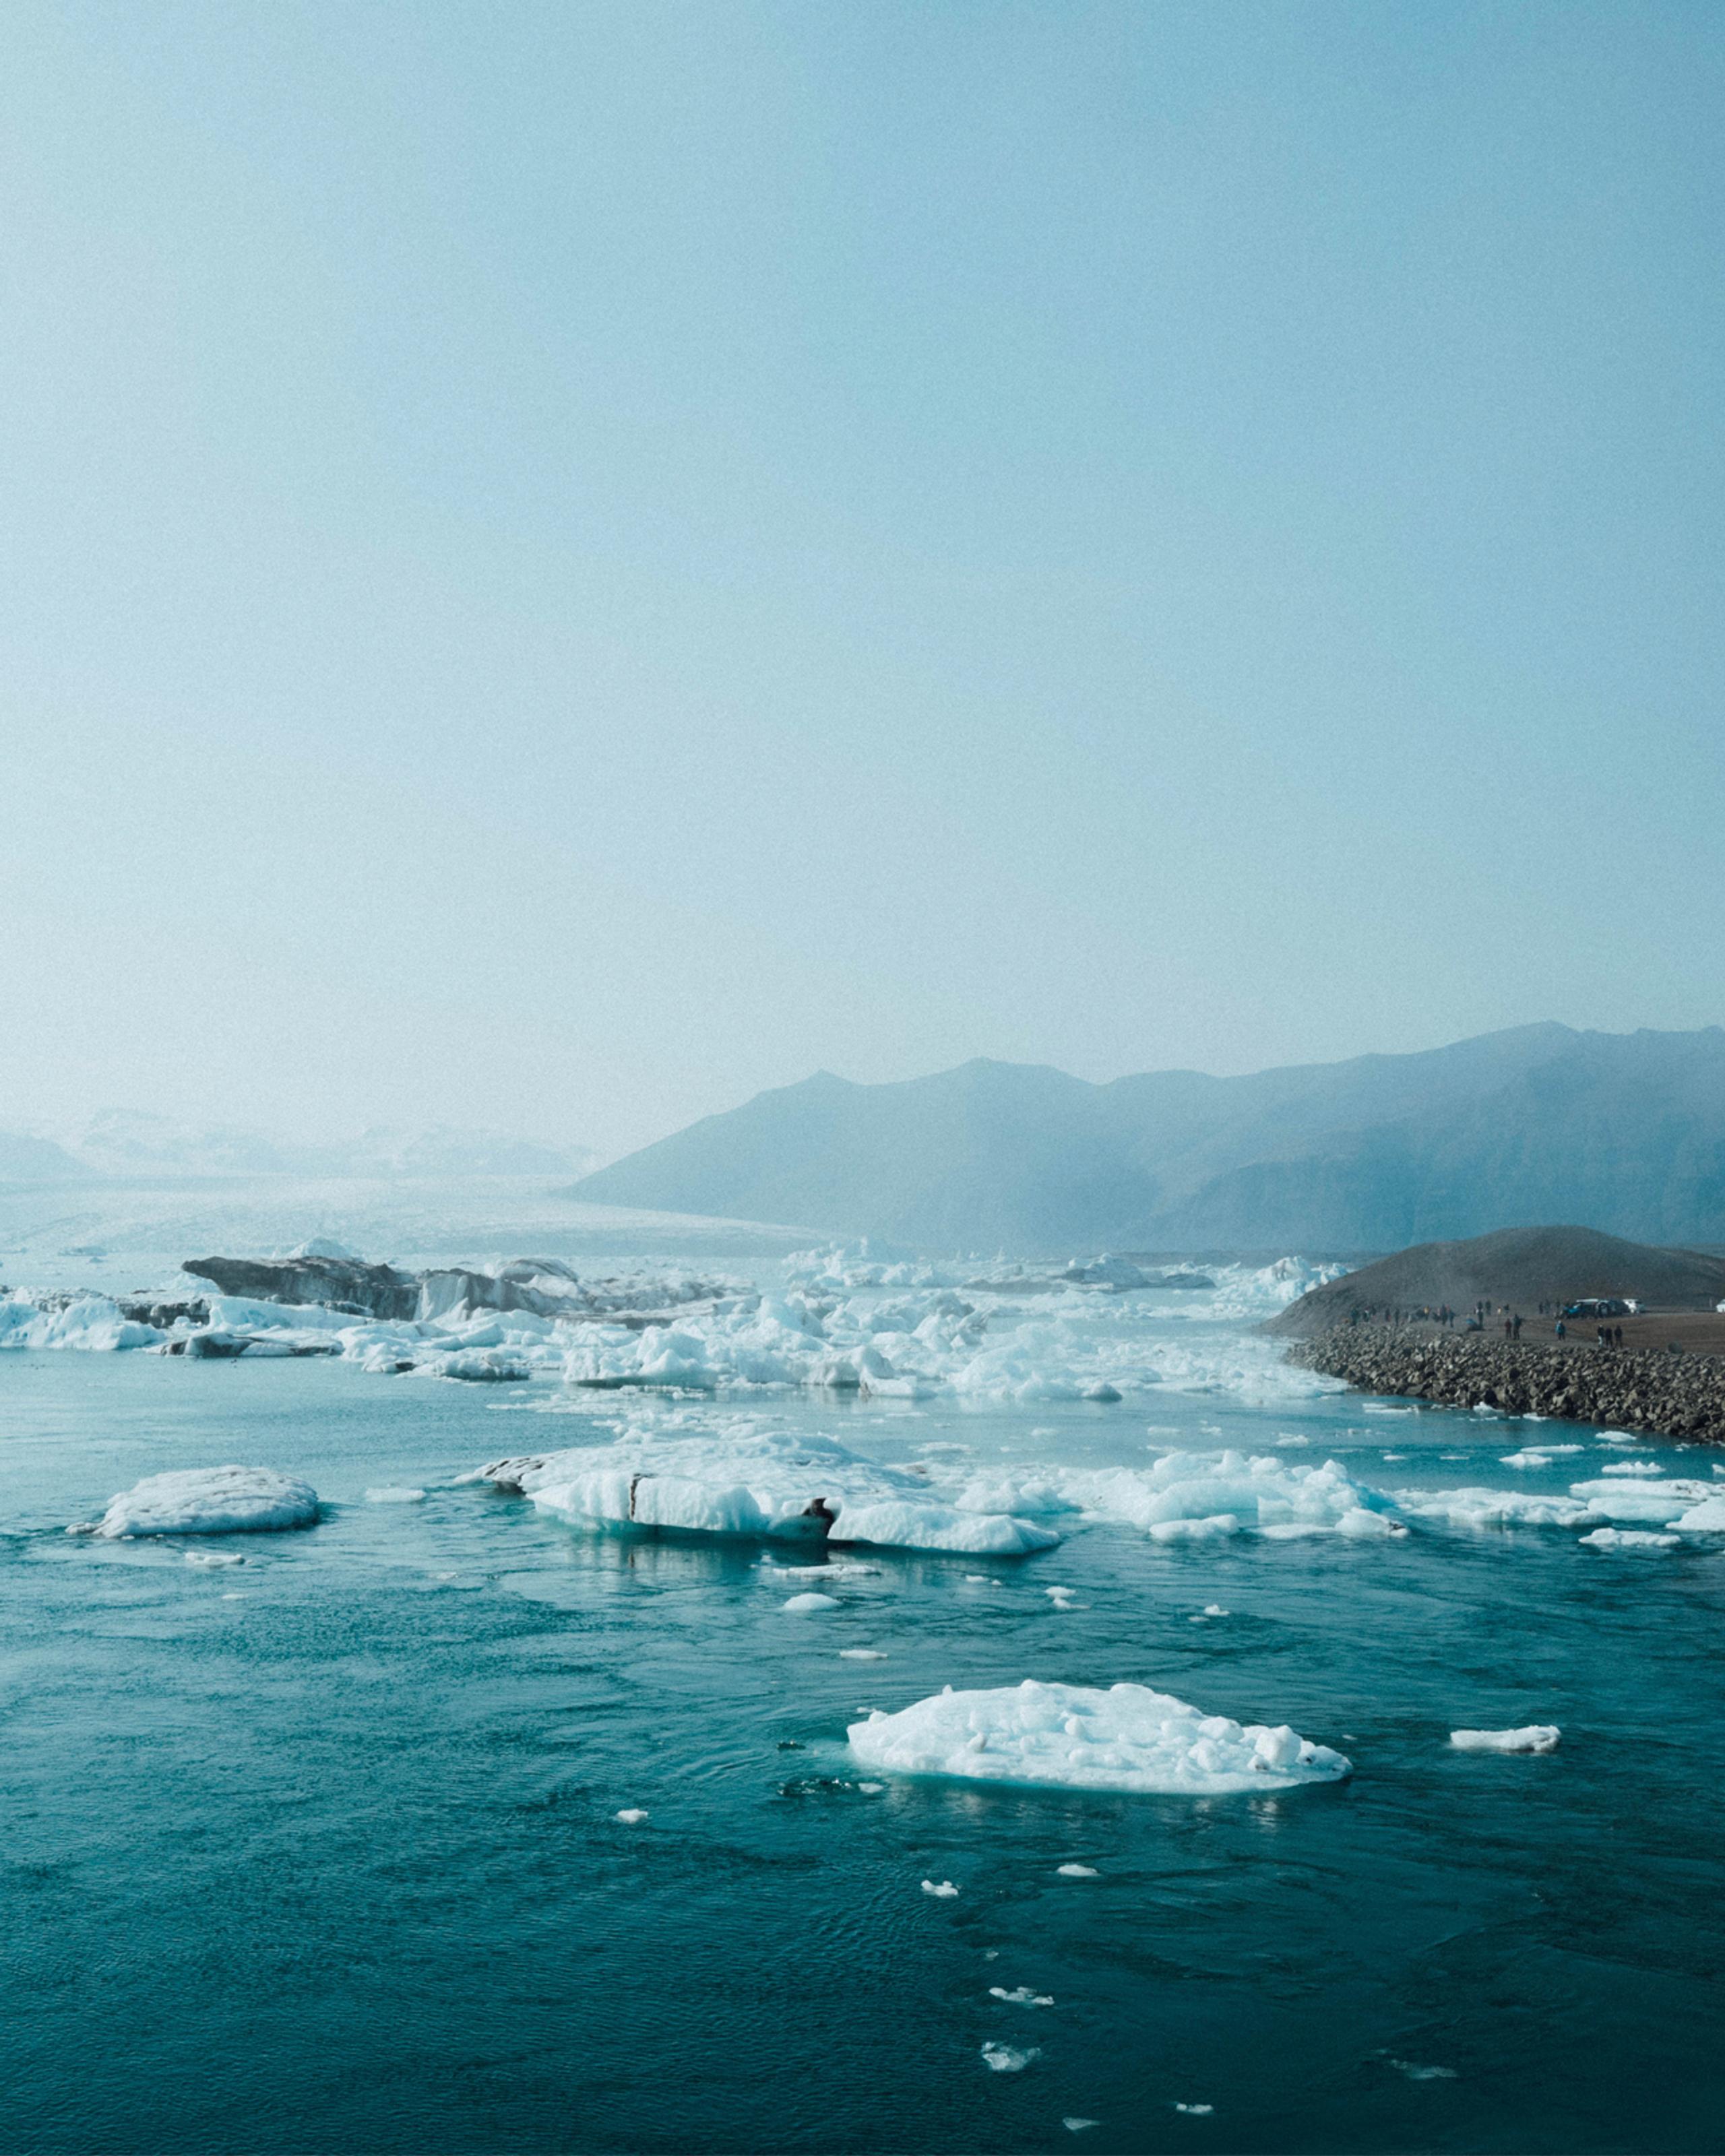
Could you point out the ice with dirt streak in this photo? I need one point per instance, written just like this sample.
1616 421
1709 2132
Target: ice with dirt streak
1127 1738
742 1477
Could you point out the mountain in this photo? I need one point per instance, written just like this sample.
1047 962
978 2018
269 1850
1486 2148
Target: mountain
25 1159
1523 1267
1625 1132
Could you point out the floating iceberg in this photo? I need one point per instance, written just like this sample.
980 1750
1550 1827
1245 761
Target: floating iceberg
208 1501
1536 1737
1127 1738
1495 1508
91 1323
742 1479
1198 1497
1629 1538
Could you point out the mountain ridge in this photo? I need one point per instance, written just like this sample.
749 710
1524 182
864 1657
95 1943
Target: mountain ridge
1623 1131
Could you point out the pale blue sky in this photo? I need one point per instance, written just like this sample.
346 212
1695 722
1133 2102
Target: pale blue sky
565 564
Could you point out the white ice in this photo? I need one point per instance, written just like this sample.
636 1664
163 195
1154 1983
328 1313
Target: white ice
1536 1737
1003 2059
1127 1738
742 1478
210 1501
1629 1538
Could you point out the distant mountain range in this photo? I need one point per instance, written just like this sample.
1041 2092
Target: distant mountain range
126 1143
1620 1131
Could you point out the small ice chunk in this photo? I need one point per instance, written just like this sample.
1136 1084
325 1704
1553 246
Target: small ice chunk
633 1816
213 1557
1022 1996
862 1655
811 1604
942 1890
1632 1467
1423 2073
1080 2125
210 1501
1005 2059
1629 1538
1529 1460
1079 1872
1214 1610
1536 1737
1196 2110
392 1494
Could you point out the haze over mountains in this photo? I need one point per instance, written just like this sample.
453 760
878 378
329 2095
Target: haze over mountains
129 1143
1620 1131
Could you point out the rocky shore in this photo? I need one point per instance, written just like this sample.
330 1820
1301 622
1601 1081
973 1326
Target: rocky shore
1663 1394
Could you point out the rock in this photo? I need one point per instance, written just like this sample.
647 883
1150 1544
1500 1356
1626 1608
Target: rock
1672 1396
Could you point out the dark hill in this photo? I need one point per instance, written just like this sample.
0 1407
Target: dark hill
1521 1267
1624 1130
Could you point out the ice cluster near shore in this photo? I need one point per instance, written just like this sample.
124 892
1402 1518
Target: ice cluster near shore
207 1501
997 1333
1127 1738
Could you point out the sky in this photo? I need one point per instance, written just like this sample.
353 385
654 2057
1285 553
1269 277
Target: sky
566 563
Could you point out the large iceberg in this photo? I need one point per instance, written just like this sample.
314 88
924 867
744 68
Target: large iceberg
1127 1738
207 1501
740 1478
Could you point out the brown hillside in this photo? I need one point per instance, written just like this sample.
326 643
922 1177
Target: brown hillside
1521 1267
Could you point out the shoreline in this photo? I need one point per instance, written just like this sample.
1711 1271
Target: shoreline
1656 1394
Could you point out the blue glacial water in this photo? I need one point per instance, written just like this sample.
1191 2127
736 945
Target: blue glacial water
319 1852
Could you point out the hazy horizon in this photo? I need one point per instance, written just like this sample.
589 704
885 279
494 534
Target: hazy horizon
569 567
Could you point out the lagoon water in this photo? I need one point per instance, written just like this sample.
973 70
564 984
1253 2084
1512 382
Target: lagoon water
320 1850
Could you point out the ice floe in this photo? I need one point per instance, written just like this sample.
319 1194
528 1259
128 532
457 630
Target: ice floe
1006 2059
1536 1737
1126 1738
207 1501
742 1478
1629 1538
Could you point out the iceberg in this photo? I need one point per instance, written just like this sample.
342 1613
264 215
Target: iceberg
741 1479
1536 1737
207 1501
1126 1738
91 1323
1198 1497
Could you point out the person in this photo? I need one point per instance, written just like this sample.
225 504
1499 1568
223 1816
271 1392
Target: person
1618 1331
1562 1330
1517 1321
